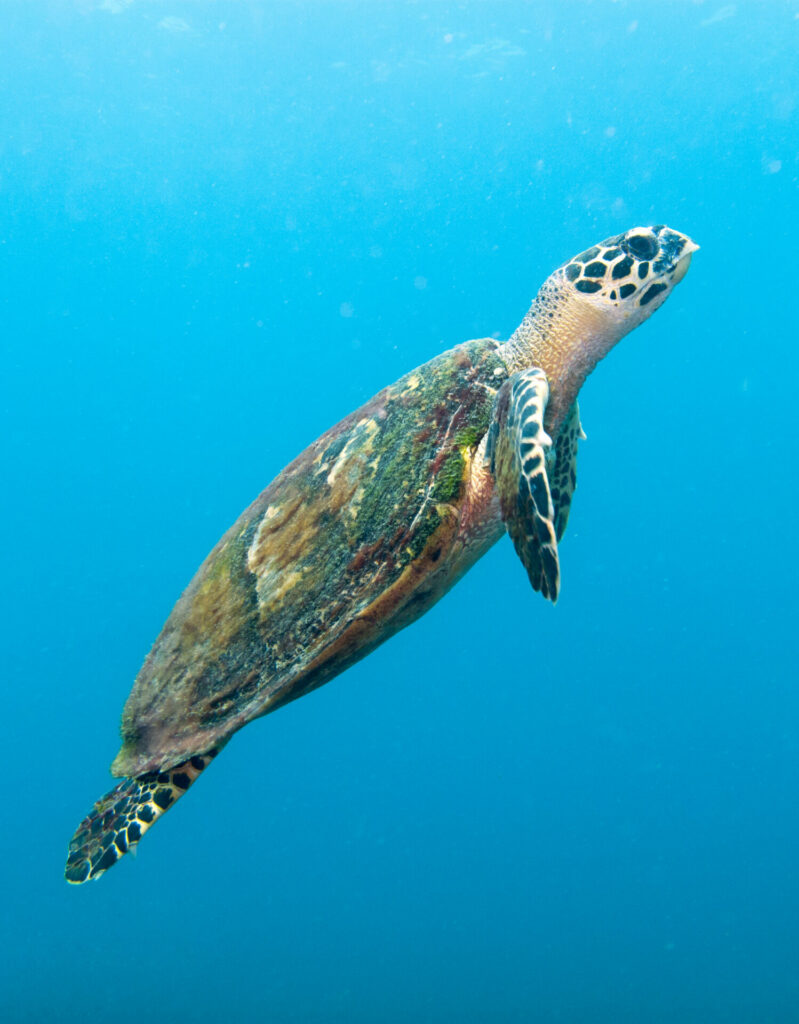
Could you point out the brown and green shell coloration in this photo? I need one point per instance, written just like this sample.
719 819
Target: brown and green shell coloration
363 532
346 546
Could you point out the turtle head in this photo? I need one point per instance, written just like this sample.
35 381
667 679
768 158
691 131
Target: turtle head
629 276
589 303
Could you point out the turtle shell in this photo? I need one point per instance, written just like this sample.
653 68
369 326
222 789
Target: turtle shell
352 541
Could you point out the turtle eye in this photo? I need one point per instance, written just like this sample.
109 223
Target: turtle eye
643 247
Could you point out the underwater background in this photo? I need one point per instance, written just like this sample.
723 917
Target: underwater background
223 227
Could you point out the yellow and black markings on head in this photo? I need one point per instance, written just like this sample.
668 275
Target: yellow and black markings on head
627 267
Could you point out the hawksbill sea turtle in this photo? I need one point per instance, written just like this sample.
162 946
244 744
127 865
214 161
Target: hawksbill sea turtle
372 524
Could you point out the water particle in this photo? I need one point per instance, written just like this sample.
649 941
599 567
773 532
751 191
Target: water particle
722 14
173 24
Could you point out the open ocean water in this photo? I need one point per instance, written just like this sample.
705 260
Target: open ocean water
223 227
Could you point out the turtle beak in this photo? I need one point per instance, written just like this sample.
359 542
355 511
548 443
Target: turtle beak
683 263
686 247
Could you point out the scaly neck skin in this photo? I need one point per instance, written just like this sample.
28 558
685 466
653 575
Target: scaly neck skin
566 338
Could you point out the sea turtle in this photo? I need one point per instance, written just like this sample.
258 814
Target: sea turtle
372 524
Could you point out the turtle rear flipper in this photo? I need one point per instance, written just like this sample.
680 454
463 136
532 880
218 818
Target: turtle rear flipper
119 820
517 451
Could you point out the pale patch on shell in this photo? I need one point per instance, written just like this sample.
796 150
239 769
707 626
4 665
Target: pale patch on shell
354 506
270 556
365 445
276 582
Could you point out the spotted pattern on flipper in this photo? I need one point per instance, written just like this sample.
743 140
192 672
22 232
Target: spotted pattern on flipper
517 452
119 820
562 468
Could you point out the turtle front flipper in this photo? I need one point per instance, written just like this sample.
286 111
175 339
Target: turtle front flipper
119 820
517 452
562 467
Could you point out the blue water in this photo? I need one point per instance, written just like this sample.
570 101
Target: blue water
223 227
